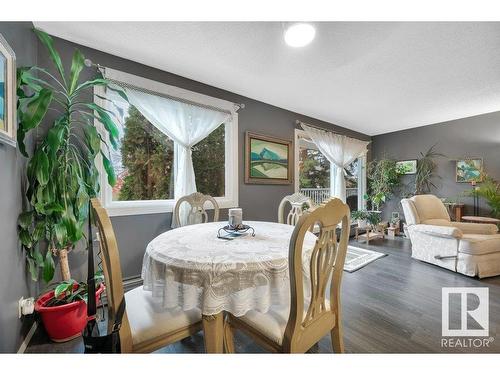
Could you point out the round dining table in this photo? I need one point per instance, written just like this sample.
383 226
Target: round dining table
190 267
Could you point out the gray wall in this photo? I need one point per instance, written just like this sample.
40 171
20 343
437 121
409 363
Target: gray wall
477 136
259 202
13 278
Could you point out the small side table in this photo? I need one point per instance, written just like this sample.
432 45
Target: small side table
369 235
456 210
481 220
392 232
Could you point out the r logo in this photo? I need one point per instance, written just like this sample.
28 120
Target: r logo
473 307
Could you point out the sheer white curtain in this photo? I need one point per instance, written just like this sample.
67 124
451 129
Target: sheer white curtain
340 150
186 125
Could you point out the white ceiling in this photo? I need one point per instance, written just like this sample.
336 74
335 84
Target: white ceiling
372 77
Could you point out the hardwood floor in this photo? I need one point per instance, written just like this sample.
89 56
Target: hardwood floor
392 305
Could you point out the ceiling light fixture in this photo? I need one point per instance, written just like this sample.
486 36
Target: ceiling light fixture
299 34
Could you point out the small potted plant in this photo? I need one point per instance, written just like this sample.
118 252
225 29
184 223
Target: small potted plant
360 216
374 218
63 309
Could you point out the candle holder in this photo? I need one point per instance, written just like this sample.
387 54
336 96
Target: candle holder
236 230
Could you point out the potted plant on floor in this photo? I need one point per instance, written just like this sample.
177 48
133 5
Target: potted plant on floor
61 175
360 217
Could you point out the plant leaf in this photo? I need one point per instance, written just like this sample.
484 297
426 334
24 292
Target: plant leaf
42 168
48 42
54 139
20 141
76 67
33 268
25 238
36 109
38 257
60 233
93 140
53 207
108 123
109 170
64 288
48 267
39 231
25 219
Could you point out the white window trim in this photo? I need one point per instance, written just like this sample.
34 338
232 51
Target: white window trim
299 133
125 208
8 136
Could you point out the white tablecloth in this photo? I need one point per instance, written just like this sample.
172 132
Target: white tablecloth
190 267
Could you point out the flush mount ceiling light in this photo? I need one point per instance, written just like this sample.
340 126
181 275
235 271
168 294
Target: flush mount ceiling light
299 34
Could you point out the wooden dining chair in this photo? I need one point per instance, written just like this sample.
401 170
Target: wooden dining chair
299 203
144 329
295 328
197 213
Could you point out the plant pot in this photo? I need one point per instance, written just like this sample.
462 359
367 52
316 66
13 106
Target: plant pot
65 322
362 223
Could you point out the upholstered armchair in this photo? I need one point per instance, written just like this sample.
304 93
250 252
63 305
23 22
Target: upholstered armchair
467 248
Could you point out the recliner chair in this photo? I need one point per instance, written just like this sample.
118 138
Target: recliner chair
468 248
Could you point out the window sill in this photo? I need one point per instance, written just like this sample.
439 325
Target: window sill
157 207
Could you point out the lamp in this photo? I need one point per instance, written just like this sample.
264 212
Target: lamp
299 34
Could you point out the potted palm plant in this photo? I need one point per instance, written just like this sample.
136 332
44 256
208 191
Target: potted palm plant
61 176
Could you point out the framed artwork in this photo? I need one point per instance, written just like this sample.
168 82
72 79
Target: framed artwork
469 170
409 166
7 93
268 160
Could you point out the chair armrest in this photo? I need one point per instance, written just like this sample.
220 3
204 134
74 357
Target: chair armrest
475 228
438 230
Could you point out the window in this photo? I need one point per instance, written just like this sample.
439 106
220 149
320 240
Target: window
316 175
144 162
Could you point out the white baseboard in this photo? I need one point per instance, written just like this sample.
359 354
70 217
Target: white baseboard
27 338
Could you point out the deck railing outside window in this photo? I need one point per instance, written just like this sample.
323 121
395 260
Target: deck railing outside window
320 194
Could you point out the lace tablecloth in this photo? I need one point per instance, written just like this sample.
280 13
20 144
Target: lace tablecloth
190 267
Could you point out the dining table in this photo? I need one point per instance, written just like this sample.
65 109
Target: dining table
191 267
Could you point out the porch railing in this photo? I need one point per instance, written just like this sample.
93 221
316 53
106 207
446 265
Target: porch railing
319 195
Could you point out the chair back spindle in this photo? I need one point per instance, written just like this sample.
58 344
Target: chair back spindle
197 213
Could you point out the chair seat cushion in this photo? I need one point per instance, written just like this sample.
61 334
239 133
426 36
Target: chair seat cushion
271 324
479 244
147 323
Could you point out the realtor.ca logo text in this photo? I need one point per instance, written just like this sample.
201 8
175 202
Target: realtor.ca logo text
465 318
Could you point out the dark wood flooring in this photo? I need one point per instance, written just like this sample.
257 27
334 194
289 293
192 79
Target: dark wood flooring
392 305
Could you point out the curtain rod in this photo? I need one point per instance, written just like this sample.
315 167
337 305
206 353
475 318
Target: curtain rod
102 70
298 122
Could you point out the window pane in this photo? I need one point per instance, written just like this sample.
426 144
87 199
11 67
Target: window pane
209 163
314 174
143 161
351 183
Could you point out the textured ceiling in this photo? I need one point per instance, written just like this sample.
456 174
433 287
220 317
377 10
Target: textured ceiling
373 77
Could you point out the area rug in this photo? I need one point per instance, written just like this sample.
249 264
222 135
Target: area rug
357 258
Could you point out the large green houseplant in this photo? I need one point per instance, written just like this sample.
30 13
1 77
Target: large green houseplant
426 171
61 173
384 176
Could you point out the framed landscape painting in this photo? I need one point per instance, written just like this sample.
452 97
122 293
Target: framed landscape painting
7 93
469 170
268 160
408 166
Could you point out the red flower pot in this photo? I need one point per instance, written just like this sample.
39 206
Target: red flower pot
65 322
